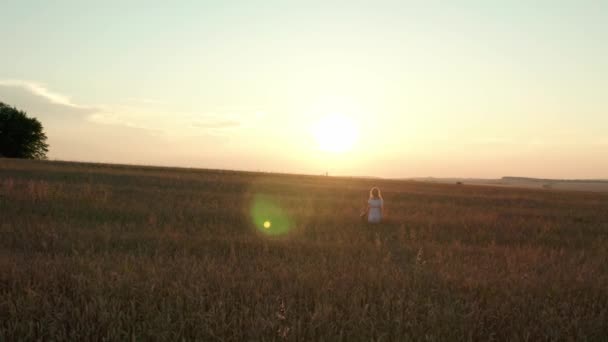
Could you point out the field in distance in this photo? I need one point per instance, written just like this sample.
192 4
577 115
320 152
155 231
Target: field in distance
593 185
109 252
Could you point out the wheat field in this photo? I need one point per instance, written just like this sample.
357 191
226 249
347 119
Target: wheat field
94 252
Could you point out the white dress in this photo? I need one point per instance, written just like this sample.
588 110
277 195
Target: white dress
374 214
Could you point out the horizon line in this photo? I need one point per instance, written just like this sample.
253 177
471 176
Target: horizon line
323 174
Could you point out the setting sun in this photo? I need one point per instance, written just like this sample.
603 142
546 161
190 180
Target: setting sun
336 133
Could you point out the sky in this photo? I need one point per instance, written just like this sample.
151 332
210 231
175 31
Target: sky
478 89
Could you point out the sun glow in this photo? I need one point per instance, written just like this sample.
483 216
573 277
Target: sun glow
336 133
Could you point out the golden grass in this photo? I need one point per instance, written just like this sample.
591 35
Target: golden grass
102 252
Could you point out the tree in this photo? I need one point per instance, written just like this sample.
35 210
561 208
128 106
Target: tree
21 136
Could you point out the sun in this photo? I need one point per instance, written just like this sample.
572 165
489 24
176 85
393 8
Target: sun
336 133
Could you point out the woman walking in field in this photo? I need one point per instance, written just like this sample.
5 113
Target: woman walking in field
375 206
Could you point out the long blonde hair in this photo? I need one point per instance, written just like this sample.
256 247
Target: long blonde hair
375 193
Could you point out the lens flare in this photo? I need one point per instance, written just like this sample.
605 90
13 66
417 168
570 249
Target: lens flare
269 217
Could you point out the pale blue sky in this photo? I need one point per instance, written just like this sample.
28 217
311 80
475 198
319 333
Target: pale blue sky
469 88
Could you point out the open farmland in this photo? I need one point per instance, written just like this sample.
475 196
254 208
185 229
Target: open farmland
102 252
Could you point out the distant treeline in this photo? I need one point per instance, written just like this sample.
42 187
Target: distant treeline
543 180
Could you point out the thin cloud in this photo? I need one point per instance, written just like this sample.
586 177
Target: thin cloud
162 122
39 99
42 91
146 101
111 119
217 124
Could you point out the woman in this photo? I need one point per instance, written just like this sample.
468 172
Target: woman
375 206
